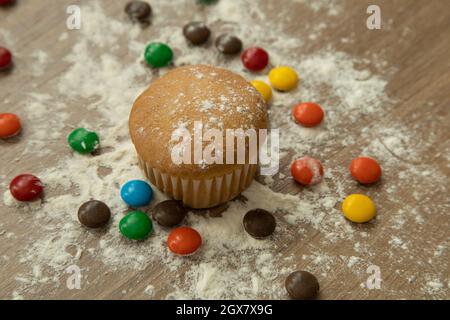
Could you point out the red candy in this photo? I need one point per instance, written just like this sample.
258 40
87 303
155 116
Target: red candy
307 171
9 125
6 2
255 59
5 58
308 114
184 240
365 170
26 187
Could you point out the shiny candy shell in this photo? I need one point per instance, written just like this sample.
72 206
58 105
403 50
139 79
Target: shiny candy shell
9 125
138 11
196 32
259 223
5 58
26 187
228 44
136 193
94 214
283 78
136 225
184 240
83 141
302 285
308 114
158 54
263 88
307 171
169 213
358 208
365 170
255 59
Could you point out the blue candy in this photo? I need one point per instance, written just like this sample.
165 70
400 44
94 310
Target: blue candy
136 193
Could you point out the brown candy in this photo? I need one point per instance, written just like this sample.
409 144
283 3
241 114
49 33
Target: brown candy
302 285
169 213
228 44
259 223
138 11
94 214
196 32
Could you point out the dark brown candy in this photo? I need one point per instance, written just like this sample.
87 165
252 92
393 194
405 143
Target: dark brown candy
169 213
259 223
302 285
94 214
228 44
196 32
138 11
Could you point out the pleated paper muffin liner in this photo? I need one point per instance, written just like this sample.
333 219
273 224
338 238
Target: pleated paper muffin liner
201 193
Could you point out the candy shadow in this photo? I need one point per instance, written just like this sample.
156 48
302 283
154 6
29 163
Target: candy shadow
6 71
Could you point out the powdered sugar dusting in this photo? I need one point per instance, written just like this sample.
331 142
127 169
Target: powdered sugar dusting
230 264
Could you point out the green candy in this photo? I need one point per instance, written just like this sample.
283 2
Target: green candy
158 54
136 225
207 1
83 141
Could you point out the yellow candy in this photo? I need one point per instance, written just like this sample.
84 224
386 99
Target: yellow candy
358 208
263 88
283 78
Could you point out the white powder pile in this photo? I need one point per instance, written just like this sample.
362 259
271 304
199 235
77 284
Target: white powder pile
105 74
331 6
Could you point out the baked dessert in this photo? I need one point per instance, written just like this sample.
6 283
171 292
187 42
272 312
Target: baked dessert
178 102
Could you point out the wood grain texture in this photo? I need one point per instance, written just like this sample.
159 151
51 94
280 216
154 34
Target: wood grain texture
414 41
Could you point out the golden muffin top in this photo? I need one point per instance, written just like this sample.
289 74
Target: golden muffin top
185 97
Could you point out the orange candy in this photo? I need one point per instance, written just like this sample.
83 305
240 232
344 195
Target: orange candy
9 125
365 170
307 171
184 240
308 114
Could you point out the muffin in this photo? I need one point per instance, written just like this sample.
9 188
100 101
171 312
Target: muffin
189 98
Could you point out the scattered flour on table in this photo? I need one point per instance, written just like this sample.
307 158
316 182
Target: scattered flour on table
150 291
103 82
7 39
331 6
40 60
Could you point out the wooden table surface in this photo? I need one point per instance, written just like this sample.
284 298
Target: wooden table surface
414 42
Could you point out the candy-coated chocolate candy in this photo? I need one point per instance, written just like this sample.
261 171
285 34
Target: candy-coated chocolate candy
83 141
136 193
184 240
9 125
5 58
138 11
302 285
255 59
207 2
169 213
158 54
358 208
136 225
259 223
228 44
196 32
94 214
283 78
26 187
308 114
263 88
365 170
6 2
307 171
